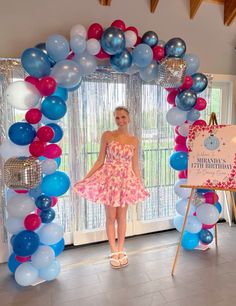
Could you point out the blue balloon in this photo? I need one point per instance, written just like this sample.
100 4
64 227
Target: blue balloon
12 263
205 236
58 247
113 40
199 82
48 215
121 61
61 93
142 55
57 47
43 202
53 108
21 133
190 241
193 115
179 160
58 160
219 207
186 100
150 38
175 47
55 184
35 62
58 132
192 63
36 192
42 47
12 238
25 243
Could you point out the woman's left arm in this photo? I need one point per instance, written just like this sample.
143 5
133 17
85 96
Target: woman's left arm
135 165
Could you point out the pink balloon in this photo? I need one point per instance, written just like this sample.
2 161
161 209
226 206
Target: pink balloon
119 24
22 259
200 122
52 151
158 53
21 191
33 115
207 226
54 201
188 82
183 174
135 30
200 104
211 197
180 139
176 130
95 30
171 96
181 147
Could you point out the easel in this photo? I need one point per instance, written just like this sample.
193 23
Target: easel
212 121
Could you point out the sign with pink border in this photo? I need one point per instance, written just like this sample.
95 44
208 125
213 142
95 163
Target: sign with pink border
212 156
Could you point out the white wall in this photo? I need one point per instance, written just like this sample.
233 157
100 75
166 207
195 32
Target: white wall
25 23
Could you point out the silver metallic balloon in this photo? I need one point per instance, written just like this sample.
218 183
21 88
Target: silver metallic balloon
113 41
171 72
22 173
150 38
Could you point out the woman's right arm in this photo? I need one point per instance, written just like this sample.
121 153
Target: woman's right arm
101 157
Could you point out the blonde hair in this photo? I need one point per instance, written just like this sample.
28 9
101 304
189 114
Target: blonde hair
119 108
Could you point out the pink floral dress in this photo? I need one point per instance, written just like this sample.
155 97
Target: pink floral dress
115 183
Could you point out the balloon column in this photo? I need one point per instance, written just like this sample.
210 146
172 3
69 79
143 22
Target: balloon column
57 66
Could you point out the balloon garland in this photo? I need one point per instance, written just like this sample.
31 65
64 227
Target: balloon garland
56 68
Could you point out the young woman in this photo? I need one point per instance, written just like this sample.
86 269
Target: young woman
115 181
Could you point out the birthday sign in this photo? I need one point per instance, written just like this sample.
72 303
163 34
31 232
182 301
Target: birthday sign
212 156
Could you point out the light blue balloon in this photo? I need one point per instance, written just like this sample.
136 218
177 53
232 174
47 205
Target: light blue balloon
193 225
35 62
193 115
192 63
61 93
181 206
58 247
76 87
186 100
179 160
142 55
50 233
78 44
66 73
53 107
26 274
175 47
200 82
121 61
190 241
51 272
113 40
178 222
43 257
36 192
149 73
55 184
87 63
57 47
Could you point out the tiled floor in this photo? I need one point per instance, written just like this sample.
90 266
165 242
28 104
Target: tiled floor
201 278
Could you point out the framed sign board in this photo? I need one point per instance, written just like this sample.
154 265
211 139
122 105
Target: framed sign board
212 156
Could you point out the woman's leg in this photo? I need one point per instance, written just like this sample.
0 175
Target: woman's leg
121 226
110 227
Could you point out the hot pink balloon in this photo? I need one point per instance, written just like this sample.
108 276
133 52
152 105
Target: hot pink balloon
171 96
54 201
183 174
200 122
135 30
181 147
52 151
205 226
200 104
188 82
119 24
180 139
22 259
211 197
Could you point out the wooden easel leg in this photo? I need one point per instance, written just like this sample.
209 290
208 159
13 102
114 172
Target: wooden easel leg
233 204
182 232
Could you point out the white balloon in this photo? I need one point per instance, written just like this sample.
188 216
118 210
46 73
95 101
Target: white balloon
22 95
130 39
49 166
181 207
207 214
20 205
14 225
176 116
78 29
180 191
43 257
9 149
50 233
184 129
93 46
26 274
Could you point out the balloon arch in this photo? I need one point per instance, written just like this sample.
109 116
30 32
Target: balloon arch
56 67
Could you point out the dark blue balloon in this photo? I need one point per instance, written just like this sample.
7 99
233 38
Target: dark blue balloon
121 61
61 93
219 207
186 100
199 82
58 247
150 38
12 238
12 263
21 133
42 47
205 236
175 47
55 184
43 202
179 160
203 190
113 41
35 62
35 192
53 108
25 243
58 132
47 215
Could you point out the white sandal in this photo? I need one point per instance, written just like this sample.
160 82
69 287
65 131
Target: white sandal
115 263
123 260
